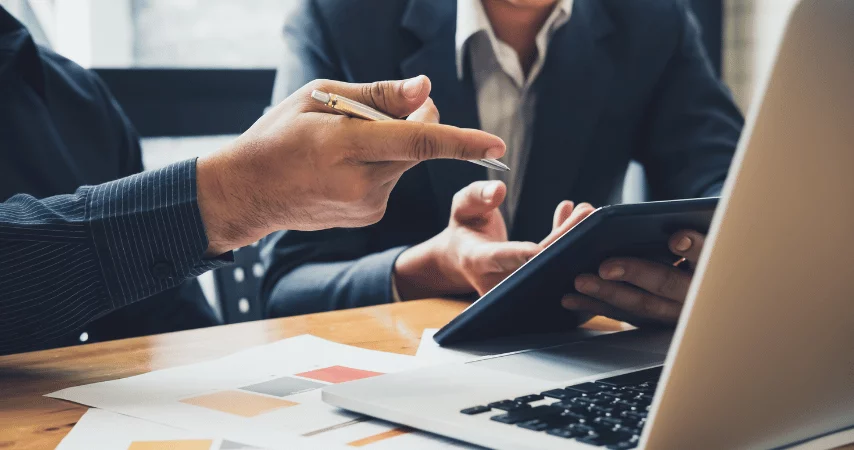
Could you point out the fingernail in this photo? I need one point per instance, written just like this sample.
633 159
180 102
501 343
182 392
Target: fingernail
587 287
684 244
488 192
495 153
412 87
614 272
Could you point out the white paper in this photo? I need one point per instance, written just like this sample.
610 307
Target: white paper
157 396
430 352
105 430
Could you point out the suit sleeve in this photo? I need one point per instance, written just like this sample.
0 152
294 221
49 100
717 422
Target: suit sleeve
71 258
307 53
693 126
311 272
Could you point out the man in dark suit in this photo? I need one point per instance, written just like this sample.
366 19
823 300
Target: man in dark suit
576 89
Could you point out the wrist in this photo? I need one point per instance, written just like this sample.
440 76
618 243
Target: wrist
223 217
423 271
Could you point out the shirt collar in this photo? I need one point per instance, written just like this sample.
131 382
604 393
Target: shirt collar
472 19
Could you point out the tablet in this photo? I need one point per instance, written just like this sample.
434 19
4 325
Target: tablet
528 301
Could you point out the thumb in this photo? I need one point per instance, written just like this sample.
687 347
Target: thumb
397 98
477 199
688 244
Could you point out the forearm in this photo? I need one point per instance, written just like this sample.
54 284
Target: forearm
69 259
325 286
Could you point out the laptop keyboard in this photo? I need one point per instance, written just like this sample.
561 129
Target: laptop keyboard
610 412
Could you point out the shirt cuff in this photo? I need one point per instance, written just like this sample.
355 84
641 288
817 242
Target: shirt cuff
148 232
395 294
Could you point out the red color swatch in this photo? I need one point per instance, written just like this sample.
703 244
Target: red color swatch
338 374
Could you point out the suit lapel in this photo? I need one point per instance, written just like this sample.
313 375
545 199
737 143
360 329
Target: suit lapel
571 93
434 23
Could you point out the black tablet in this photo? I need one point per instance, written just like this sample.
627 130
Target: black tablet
528 301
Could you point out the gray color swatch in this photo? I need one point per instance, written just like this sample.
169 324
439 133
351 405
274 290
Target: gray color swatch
282 387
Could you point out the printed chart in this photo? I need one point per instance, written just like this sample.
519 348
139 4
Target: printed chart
104 430
267 396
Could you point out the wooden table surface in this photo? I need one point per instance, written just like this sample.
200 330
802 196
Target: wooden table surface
30 421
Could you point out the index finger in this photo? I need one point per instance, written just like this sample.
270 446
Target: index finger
578 214
401 140
397 98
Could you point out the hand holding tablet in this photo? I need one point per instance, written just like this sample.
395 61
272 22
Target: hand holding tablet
530 299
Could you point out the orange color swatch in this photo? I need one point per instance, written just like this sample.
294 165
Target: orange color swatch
171 445
338 374
239 403
380 437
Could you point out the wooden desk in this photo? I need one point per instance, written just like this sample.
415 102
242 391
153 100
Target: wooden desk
30 421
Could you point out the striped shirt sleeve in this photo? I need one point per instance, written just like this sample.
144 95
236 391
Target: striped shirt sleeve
68 259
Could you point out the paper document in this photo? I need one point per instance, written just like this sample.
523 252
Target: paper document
430 351
264 396
105 430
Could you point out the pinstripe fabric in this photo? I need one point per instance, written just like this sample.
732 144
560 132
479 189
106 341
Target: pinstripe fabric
68 259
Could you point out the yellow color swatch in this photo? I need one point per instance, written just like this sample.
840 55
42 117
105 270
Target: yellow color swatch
380 437
171 445
239 403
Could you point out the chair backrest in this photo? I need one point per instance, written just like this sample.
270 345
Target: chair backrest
238 286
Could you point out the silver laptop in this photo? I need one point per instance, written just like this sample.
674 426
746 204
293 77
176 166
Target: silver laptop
763 355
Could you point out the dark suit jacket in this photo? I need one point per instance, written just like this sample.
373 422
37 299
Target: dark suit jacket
623 80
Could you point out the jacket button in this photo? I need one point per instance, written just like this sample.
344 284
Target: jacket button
162 270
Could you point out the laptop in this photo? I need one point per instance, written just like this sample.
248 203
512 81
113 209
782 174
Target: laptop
763 355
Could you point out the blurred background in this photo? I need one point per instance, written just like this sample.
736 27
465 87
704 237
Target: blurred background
132 35
191 74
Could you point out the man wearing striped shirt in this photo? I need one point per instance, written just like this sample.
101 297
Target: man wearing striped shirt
68 259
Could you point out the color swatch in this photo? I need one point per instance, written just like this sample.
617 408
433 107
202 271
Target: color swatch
238 403
171 445
338 374
282 387
229 445
380 437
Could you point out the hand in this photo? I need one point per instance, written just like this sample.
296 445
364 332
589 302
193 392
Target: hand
304 167
472 254
639 291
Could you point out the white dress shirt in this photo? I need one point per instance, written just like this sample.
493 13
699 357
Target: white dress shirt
505 101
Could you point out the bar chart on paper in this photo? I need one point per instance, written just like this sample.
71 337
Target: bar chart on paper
262 396
105 430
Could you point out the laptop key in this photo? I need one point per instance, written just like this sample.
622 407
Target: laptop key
586 388
565 433
561 394
476 410
625 445
631 378
528 398
508 405
524 415
535 425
